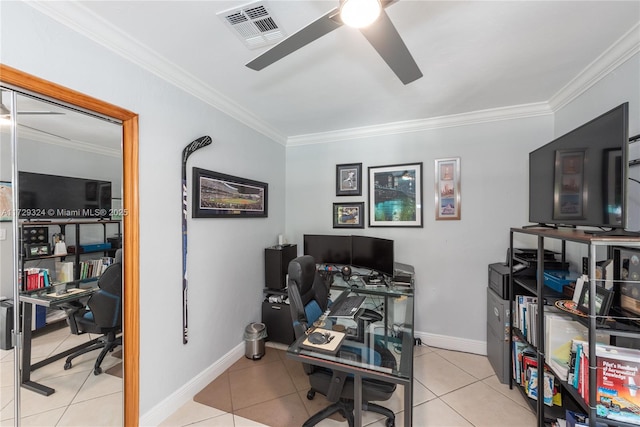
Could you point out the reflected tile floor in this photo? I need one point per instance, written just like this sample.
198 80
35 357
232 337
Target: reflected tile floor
80 399
450 389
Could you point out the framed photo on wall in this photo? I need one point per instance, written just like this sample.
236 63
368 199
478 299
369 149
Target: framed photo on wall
447 189
349 179
217 195
6 201
348 215
395 195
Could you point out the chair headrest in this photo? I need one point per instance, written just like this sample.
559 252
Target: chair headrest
111 279
302 270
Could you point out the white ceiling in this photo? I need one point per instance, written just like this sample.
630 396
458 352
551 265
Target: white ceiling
475 56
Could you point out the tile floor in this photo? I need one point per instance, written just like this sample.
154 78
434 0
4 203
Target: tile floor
450 389
80 399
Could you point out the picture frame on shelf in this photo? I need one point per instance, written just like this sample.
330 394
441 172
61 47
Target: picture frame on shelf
218 195
603 300
349 179
348 215
6 201
395 195
448 199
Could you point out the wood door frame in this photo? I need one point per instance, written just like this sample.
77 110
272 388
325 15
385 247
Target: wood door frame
131 224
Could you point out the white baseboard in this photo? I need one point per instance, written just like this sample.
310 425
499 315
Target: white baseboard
173 402
453 343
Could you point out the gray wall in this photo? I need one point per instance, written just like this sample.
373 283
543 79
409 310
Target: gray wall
450 257
226 266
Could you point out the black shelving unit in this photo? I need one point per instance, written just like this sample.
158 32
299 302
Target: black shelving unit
620 326
62 227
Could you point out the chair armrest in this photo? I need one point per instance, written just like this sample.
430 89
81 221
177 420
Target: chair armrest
337 384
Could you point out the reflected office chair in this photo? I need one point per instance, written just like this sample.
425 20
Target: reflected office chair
102 315
308 299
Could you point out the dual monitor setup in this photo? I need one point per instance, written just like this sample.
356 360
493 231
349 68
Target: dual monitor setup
371 253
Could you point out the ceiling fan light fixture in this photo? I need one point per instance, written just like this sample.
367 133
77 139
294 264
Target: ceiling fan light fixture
360 13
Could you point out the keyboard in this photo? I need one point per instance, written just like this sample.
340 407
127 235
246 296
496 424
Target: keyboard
348 307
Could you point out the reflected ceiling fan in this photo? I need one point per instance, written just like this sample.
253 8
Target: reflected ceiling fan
5 112
379 31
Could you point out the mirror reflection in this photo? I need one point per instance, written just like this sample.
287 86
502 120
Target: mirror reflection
68 238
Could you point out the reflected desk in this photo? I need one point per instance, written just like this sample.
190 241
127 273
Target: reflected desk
397 338
49 297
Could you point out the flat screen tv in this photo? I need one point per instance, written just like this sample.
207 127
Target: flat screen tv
328 249
373 253
580 178
42 196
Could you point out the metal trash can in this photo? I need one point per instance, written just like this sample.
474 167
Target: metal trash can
254 335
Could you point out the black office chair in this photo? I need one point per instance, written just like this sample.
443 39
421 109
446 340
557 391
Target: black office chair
308 299
102 315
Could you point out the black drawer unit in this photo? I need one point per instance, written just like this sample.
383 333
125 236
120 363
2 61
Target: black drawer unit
277 318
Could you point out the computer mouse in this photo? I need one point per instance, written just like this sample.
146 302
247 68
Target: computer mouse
318 338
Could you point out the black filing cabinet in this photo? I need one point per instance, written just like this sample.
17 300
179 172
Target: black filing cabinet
498 329
277 318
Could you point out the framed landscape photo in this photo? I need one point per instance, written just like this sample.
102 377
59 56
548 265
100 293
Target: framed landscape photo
349 179
395 195
217 195
348 215
447 189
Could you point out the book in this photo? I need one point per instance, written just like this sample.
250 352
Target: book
618 380
533 386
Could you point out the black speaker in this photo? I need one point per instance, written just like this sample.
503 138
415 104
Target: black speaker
276 263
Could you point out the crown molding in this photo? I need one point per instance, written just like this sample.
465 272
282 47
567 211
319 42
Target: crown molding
84 21
87 23
454 120
621 51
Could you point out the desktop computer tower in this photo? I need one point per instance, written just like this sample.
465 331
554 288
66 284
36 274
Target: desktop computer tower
276 264
498 330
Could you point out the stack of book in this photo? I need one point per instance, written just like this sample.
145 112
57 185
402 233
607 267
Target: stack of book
36 278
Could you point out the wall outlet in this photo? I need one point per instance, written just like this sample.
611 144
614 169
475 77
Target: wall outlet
3 234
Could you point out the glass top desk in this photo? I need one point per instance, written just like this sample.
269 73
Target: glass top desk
56 295
395 332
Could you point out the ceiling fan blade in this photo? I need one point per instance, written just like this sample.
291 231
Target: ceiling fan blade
41 113
384 37
318 28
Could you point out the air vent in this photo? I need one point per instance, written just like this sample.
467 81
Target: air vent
253 24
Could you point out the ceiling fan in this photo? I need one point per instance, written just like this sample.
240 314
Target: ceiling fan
381 33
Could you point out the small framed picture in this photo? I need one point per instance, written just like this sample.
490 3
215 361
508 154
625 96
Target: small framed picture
349 179
602 300
6 201
447 179
348 215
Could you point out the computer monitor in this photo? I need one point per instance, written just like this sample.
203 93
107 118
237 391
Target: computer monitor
373 253
328 249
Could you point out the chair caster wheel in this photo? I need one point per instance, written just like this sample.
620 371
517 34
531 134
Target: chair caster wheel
67 366
97 371
311 394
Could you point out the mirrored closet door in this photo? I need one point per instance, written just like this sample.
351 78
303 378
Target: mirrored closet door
61 174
